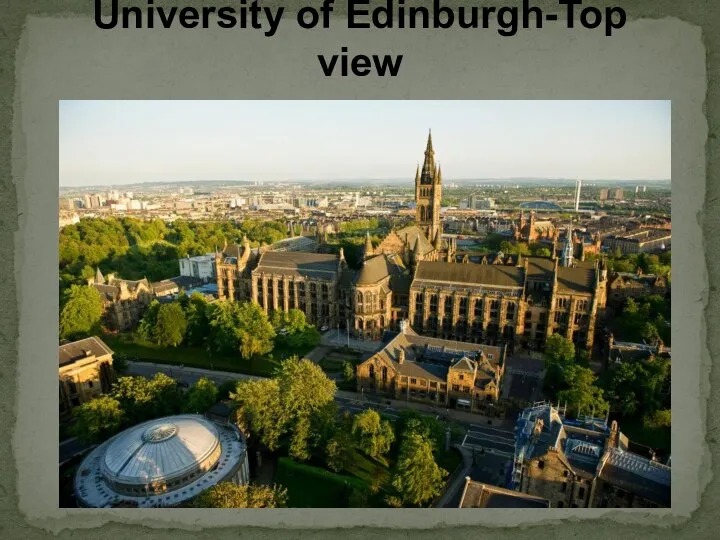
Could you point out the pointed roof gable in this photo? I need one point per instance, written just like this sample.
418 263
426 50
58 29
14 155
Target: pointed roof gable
99 279
464 364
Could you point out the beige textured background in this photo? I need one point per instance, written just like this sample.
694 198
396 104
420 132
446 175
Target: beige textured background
71 59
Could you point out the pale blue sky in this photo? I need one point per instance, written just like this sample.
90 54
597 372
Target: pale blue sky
121 142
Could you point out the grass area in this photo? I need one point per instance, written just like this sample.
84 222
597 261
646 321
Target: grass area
334 360
136 349
374 474
313 487
637 432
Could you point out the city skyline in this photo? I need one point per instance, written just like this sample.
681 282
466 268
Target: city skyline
116 143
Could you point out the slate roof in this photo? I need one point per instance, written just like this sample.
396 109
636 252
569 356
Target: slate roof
637 475
472 274
576 280
412 235
294 263
163 286
111 289
431 358
377 268
74 351
479 495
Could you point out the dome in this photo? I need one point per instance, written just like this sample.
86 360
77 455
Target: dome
161 451
162 462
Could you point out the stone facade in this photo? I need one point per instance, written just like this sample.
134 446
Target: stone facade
85 372
583 464
124 301
434 371
414 274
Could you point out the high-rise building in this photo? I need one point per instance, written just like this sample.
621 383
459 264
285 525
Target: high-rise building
604 194
618 194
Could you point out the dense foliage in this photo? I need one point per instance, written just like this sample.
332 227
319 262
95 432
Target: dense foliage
81 313
133 248
136 399
230 495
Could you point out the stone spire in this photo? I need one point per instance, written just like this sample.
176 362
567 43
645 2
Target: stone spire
567 254
368 246
99 279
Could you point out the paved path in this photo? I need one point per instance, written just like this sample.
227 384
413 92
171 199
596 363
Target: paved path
451 497
318 353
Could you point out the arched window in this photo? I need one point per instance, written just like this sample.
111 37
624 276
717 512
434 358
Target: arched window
372 371
384 374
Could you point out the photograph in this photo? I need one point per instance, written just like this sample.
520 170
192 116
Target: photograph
364 304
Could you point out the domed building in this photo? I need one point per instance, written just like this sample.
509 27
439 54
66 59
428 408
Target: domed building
161 463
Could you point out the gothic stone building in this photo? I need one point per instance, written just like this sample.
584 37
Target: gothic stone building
436 371
414 274
583 464
124 301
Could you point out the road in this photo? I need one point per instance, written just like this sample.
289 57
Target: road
494 440
499 439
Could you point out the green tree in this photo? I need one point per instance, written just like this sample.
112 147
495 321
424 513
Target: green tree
143 399
559 350
658 419
98 419
418 479
305 391
198 326
426 426
374 436
82 313
259 410
230 495
223 319
339 451
254 331
582 394
348 371
543 252
146 328
201 396
171 325
559 357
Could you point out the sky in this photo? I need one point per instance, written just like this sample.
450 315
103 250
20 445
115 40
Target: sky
125 142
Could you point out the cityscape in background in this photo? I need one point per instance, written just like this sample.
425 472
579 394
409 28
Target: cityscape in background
490 343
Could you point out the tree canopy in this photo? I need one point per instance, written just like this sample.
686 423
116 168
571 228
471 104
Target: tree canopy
171 325
230 495
98 419
374 435
417 479
201 396
82 312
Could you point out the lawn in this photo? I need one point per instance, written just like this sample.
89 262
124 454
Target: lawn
334 360
136 349
313 487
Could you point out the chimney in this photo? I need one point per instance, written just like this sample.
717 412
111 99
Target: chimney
401 356
403 326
